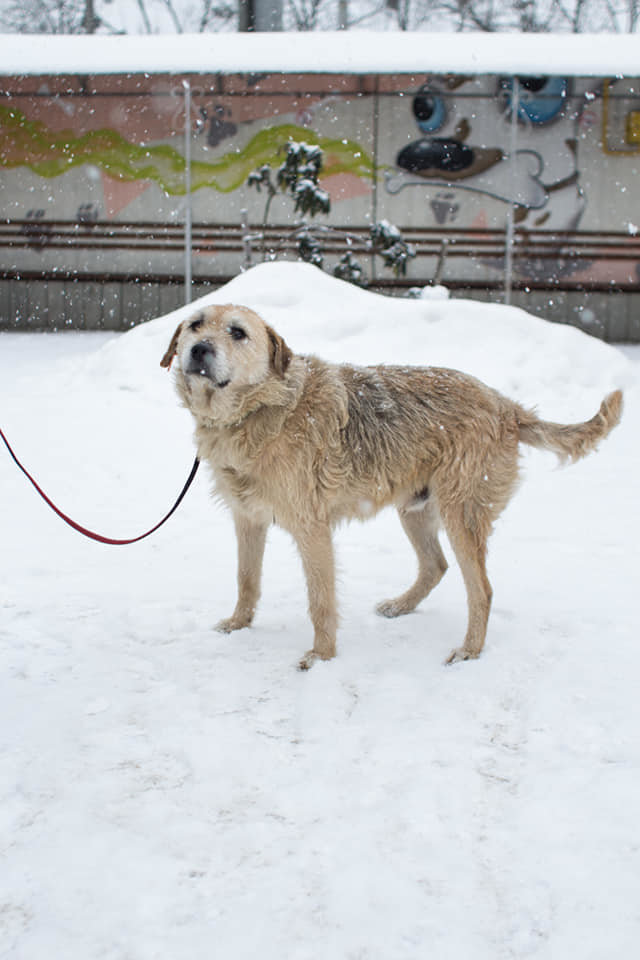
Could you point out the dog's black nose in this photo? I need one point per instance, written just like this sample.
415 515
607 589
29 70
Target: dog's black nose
201 359
201 350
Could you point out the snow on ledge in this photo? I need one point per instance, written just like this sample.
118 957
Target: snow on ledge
591 55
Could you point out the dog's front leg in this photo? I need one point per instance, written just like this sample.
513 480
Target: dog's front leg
316 549
251 535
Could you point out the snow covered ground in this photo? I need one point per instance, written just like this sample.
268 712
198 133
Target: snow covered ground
169 792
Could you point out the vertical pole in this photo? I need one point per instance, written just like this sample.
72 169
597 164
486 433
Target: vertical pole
246 16
513 143
188 227
259 15
247 259
376 146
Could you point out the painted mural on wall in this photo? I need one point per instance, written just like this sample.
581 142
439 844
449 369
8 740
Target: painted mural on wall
427 153
50 153
473 153
534 168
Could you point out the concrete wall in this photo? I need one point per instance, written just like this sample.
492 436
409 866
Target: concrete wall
58 305
93 178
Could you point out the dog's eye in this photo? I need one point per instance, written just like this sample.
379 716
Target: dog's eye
237 333
196 324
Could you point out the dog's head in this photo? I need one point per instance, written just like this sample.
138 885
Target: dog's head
223 352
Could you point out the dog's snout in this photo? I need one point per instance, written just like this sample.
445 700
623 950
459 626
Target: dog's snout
199 351
201 359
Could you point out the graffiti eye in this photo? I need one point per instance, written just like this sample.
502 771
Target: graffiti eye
540 99
429 110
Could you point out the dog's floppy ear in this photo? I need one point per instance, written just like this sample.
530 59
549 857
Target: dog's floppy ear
171 349
279 352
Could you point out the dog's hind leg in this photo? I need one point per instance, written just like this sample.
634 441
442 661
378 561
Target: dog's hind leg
421 527
251 535
468 537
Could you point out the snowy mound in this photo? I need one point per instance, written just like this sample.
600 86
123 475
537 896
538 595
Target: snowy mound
536 362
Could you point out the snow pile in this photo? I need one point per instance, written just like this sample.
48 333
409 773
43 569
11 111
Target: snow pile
352 51
527 358
166 791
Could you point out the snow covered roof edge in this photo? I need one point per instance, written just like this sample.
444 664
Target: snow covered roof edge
593 55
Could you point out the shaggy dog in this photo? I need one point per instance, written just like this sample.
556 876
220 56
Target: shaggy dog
305 444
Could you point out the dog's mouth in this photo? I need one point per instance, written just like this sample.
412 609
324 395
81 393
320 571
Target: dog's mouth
221 384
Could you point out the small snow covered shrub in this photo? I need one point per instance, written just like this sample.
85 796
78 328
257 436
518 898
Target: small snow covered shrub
298 177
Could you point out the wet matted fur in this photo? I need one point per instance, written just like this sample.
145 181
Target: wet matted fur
305 444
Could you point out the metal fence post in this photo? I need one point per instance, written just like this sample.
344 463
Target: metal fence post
188 226
513 143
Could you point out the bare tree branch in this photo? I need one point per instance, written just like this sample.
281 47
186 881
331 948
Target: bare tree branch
174 16
489 16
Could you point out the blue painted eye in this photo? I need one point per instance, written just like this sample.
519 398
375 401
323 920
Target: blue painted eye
429 110
540 98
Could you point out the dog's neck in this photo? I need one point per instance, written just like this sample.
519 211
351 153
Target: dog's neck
248 402
257 420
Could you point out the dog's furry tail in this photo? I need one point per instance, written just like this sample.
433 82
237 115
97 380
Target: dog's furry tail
571 441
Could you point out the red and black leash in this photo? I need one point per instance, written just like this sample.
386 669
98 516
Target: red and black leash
90 533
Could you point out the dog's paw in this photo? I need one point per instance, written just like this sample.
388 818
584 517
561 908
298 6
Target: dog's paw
460 654
229 624
306 662
310 657
391 608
